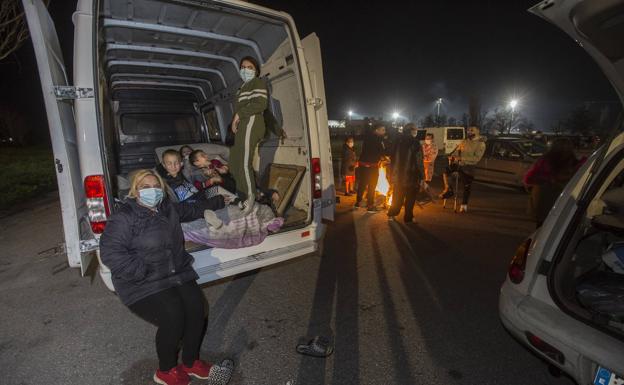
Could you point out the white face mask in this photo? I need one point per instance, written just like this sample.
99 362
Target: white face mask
428 141
247 74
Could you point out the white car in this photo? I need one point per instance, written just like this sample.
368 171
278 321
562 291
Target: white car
152 74
563 297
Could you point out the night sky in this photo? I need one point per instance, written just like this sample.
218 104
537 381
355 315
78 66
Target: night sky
402 56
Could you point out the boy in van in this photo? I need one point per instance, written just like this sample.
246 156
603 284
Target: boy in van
170 170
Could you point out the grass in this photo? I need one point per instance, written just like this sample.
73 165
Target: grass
25 172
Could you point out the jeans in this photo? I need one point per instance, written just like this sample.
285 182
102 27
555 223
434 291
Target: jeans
367 180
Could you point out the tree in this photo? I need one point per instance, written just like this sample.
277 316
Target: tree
465 120
452 121
579 122
13 27
429 121
497 122
476 115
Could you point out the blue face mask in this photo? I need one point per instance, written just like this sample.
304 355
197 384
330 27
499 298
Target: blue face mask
247 74
151 197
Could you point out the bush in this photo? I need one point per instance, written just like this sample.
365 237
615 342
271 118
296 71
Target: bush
25 172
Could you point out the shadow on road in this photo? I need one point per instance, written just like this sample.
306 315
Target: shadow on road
337 282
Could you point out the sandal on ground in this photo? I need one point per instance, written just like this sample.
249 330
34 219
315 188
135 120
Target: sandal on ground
222 373
316 347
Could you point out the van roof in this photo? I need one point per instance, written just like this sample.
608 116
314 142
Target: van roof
188 47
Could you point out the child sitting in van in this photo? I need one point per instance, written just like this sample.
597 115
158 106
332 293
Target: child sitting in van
187 169
169 169
211 172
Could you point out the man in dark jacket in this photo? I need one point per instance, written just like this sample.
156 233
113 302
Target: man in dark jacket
373 149
407 173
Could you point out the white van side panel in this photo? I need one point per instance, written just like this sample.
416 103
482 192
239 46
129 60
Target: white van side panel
63 134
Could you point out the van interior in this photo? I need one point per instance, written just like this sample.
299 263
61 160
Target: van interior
588 279
168 75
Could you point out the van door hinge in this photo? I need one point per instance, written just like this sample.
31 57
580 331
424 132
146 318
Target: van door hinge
89 245
316 102
71 92
544 267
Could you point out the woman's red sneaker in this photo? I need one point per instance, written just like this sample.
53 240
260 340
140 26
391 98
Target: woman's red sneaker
200 369
174 376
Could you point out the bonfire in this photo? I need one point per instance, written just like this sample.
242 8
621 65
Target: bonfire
383 187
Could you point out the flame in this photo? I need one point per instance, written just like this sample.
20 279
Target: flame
383 187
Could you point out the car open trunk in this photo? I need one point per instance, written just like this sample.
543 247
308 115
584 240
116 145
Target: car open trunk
168 75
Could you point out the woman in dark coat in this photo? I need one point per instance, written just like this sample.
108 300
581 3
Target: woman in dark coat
408 173
153 275
548 176
349 159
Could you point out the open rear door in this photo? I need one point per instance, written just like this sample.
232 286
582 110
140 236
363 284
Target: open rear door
62 129
312 51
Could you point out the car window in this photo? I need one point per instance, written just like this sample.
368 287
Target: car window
212 125
531 148
455 134
505 151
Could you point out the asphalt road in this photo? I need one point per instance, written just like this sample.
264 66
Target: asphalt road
404 304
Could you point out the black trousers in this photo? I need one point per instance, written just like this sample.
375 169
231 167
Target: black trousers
465 177
367 180
179 313
404 196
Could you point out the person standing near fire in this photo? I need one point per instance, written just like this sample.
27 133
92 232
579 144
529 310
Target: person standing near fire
373 150
430 153
408 173
349 161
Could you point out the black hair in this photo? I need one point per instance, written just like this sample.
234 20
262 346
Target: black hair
185 146
253 61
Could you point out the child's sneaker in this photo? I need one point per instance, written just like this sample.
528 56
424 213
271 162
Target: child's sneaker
174 376
200 369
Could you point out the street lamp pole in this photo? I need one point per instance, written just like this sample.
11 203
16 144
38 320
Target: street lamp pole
438 102
513 103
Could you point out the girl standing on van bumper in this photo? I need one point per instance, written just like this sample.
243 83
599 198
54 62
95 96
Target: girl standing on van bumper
153 275
249 128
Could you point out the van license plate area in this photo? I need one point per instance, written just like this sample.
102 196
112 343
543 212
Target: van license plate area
605 376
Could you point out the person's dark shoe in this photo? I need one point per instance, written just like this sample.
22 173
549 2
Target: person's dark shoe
357 205
174 376
410 221
391 218
373 209
447 194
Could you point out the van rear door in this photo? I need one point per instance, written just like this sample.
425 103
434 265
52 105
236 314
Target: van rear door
312 52
58 98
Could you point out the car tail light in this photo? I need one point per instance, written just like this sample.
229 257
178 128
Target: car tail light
97 202
518 262
317 191
546 348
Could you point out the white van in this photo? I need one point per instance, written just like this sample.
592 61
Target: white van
150 74
564 293
446 138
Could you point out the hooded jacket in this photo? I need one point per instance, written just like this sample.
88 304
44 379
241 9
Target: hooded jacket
407 162
144 249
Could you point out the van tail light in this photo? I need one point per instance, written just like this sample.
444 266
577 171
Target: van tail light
97 202
546 348
317 191
518 262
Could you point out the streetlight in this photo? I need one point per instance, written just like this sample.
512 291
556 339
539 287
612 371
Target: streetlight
512 105
350 114
439 103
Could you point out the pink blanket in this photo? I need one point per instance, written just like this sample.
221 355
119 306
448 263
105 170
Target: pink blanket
237 231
